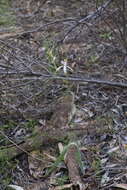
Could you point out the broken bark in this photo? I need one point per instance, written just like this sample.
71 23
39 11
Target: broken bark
73 167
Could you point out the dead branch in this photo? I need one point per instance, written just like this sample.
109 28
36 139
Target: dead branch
34 142
91 17
39 76
19 32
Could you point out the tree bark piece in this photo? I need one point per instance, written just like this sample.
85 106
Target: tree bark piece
73 167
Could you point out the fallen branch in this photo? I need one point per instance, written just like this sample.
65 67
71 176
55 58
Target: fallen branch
38 76
19 31
34 142
49 136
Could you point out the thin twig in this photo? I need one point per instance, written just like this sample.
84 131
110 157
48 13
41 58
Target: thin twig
18 147
40 28
93 16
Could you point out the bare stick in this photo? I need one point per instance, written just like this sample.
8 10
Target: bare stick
93 16
39 76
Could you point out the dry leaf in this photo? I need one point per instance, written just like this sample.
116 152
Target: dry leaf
122 186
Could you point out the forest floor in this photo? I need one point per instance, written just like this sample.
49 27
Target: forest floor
47 50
